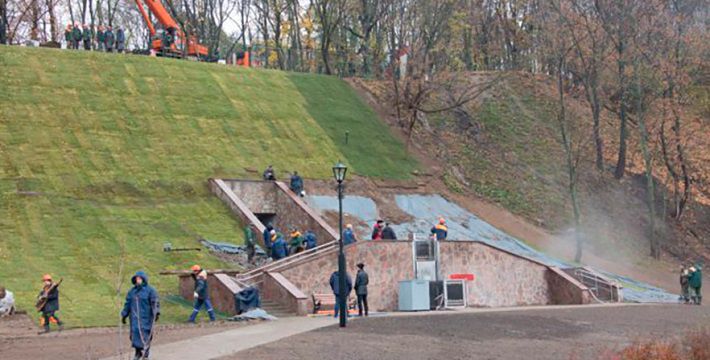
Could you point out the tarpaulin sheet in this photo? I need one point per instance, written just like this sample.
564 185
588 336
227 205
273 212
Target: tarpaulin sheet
229 248
247 299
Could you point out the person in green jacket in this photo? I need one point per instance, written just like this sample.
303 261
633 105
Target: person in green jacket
86 36
67 36
76 36
250 242
100 38
295 245
695 281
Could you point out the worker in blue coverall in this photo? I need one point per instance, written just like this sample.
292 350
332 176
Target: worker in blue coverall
202 294
143 308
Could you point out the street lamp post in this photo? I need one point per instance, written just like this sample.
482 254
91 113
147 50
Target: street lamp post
339 171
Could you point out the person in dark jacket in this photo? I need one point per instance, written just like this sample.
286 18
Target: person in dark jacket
250 242
684 286
120 40
279 249
50 291
388 233
361 281
296 184
86 37
349 235
76 36
695 281
201 295
267 237
310 239
269 174
335 286
109 39
143 308
440 231
377 230
100 39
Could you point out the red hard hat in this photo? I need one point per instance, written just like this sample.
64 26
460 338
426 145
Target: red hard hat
47 277
196 268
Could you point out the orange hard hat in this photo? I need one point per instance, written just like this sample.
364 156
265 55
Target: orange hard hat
196 268
47 277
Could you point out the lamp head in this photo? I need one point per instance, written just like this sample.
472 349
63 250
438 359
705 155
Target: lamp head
339 171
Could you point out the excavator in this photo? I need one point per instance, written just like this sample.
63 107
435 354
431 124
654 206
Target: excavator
171 40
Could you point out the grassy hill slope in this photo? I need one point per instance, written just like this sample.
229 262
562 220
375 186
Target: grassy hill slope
103 158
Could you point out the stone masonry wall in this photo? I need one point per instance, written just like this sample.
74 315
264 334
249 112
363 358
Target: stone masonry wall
293 212
501 279
565 289
386 262
259 196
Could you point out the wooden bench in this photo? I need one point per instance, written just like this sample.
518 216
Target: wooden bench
325 303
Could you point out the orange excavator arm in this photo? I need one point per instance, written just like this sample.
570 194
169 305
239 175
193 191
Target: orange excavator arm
163 16
146 17
194 48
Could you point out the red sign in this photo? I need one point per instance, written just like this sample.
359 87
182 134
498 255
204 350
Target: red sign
467 277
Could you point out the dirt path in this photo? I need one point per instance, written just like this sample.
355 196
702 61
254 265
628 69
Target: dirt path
545 334
19 340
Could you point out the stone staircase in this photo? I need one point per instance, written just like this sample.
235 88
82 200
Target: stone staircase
276 309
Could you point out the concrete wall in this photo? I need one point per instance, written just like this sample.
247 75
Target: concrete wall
222 190
259 196
565 289
387 262
246 198
277 288
293 211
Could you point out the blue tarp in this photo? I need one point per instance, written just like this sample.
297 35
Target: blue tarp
425 209
255 314
247 299
229 248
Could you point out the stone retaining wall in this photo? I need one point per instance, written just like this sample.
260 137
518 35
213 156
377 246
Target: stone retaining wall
387 262
501 279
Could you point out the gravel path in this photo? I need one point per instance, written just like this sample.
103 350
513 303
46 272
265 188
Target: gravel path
579 333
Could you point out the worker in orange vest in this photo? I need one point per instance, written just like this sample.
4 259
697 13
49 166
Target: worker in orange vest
440 231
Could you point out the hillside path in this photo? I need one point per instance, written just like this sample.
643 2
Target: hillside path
232 341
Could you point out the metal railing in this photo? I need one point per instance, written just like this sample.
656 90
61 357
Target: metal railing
601 288
248 277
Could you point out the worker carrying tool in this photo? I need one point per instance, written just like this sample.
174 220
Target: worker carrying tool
48 303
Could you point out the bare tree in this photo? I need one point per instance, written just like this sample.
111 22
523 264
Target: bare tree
329 13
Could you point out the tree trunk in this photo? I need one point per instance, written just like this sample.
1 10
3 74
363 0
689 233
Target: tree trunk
34 19
571 165
3 21
621 160
53 28
648 164
598 141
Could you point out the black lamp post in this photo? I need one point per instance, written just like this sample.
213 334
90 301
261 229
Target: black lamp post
339 171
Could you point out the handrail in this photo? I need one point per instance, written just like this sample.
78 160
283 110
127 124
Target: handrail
244 277
596 283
